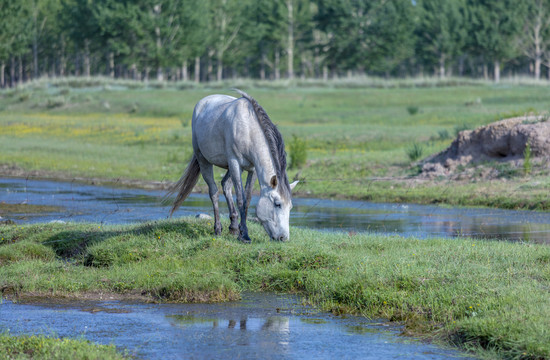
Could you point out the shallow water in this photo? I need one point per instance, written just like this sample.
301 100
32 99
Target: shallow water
262 326
111 205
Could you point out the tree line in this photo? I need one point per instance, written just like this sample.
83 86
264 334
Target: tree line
209 40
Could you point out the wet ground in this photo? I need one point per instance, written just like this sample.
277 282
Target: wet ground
261 326
109 205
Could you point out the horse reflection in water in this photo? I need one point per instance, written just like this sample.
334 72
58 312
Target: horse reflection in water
279 324
274 323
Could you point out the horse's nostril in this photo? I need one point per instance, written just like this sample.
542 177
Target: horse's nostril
281 238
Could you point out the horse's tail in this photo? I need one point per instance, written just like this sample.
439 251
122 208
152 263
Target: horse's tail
185 184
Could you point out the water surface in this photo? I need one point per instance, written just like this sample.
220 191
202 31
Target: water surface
110 205
262 326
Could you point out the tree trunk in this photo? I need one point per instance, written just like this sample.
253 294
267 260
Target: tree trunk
290 47
220 66
209 66
160 76
146 75
20 77
277 65
35 56
133 70
62 58
485 71
184 72
2 77
87 58
442 66
197 69
538 62
262 67
497 71
12 71
111 65
77 64
325 73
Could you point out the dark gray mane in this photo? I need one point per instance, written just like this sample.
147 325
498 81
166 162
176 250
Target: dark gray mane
275 142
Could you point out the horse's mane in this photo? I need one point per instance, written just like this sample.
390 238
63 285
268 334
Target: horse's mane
275 142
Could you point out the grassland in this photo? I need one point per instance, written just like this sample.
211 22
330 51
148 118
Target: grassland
357 134
40 347
488 297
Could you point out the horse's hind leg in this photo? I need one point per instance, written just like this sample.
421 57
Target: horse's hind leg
227 184
207 172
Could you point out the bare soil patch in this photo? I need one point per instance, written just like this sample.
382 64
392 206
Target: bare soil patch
493 150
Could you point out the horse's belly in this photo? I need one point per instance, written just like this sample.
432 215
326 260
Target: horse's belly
213 152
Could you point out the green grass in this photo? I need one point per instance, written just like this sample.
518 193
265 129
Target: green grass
357 133
485 296
41 347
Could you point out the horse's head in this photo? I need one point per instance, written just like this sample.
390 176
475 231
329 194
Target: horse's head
273 211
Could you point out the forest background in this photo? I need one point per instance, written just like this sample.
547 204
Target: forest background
212 40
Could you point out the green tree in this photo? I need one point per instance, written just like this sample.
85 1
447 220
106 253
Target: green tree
14 37
80 25
441 31
495 28
535 38
365 34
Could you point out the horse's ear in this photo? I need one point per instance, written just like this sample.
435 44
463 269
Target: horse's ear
273 182
293 185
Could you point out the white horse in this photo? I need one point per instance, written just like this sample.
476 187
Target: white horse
236 134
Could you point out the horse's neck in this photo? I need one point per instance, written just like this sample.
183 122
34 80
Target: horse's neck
263 163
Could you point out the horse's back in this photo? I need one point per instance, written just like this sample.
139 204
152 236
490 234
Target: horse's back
221 120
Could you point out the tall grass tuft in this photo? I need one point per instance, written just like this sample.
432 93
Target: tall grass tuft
527 165
462 127
443 134
298 152
415 151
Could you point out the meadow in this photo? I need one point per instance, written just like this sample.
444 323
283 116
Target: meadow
482 296
488 297
358 135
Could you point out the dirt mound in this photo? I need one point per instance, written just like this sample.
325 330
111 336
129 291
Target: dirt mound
502 141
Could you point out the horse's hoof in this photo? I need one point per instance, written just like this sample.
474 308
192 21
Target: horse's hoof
233 231
245 238
218 231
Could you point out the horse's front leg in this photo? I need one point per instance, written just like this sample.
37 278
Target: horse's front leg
250 180
227 184
207 172
235 172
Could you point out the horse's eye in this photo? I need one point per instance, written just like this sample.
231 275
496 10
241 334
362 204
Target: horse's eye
277 204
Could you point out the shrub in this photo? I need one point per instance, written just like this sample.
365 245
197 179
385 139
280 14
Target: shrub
443 134
412 110
24 97
57 101
415 151
298 152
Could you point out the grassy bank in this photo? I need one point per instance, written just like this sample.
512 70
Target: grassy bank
41 347
357 134
490 297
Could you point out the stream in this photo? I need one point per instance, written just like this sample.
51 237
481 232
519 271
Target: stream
261 325
110 205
